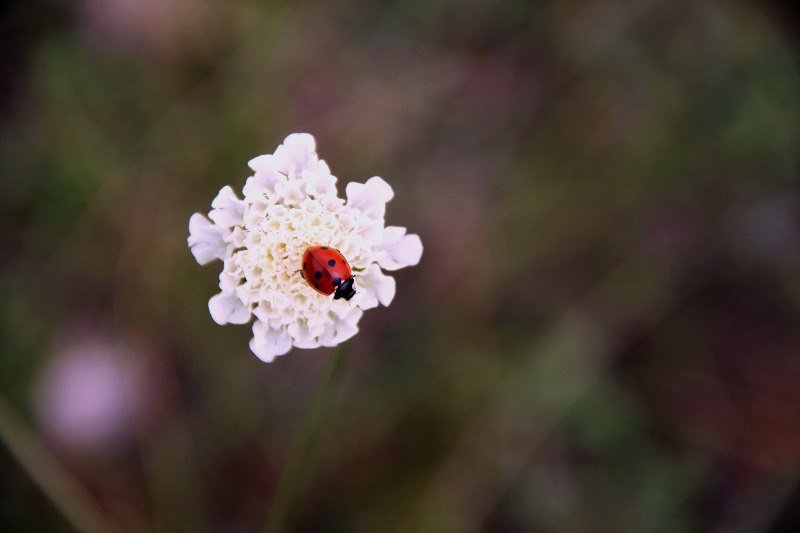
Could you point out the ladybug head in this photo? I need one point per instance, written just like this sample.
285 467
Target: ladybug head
345 289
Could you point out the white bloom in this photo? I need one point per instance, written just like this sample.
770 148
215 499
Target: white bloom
289 204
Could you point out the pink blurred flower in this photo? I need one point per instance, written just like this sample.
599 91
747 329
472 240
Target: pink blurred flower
91 394
163 26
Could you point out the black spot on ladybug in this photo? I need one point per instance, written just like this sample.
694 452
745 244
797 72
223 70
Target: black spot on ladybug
318 275
337 282
331 262
316 285
304 265
324 247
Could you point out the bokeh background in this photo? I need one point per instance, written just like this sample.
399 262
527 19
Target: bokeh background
603 333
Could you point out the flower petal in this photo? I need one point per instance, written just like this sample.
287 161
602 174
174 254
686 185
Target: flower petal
290 192
227 308
265 178
341 329
399 250
341 307
268 343
370 197
263 163
303 335
228 282
375 286
297 153
206 239
228 209
320 181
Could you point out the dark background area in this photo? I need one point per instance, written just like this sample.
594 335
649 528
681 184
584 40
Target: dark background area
604 330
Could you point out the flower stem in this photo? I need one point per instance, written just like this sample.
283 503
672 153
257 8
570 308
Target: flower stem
302 459
53 479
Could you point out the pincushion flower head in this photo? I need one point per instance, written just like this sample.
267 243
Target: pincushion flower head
290 206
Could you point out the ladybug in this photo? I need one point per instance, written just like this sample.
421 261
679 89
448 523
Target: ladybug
326 269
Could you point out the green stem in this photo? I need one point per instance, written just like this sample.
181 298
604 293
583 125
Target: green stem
53 479
302 459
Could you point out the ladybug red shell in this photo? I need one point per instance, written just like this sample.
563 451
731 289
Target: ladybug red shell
326 269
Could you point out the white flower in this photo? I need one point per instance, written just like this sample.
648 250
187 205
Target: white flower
289 204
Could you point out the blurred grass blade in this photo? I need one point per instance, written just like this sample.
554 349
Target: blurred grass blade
498 442
56 482
566 362
302 460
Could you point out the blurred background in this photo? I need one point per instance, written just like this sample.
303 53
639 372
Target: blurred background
603 333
